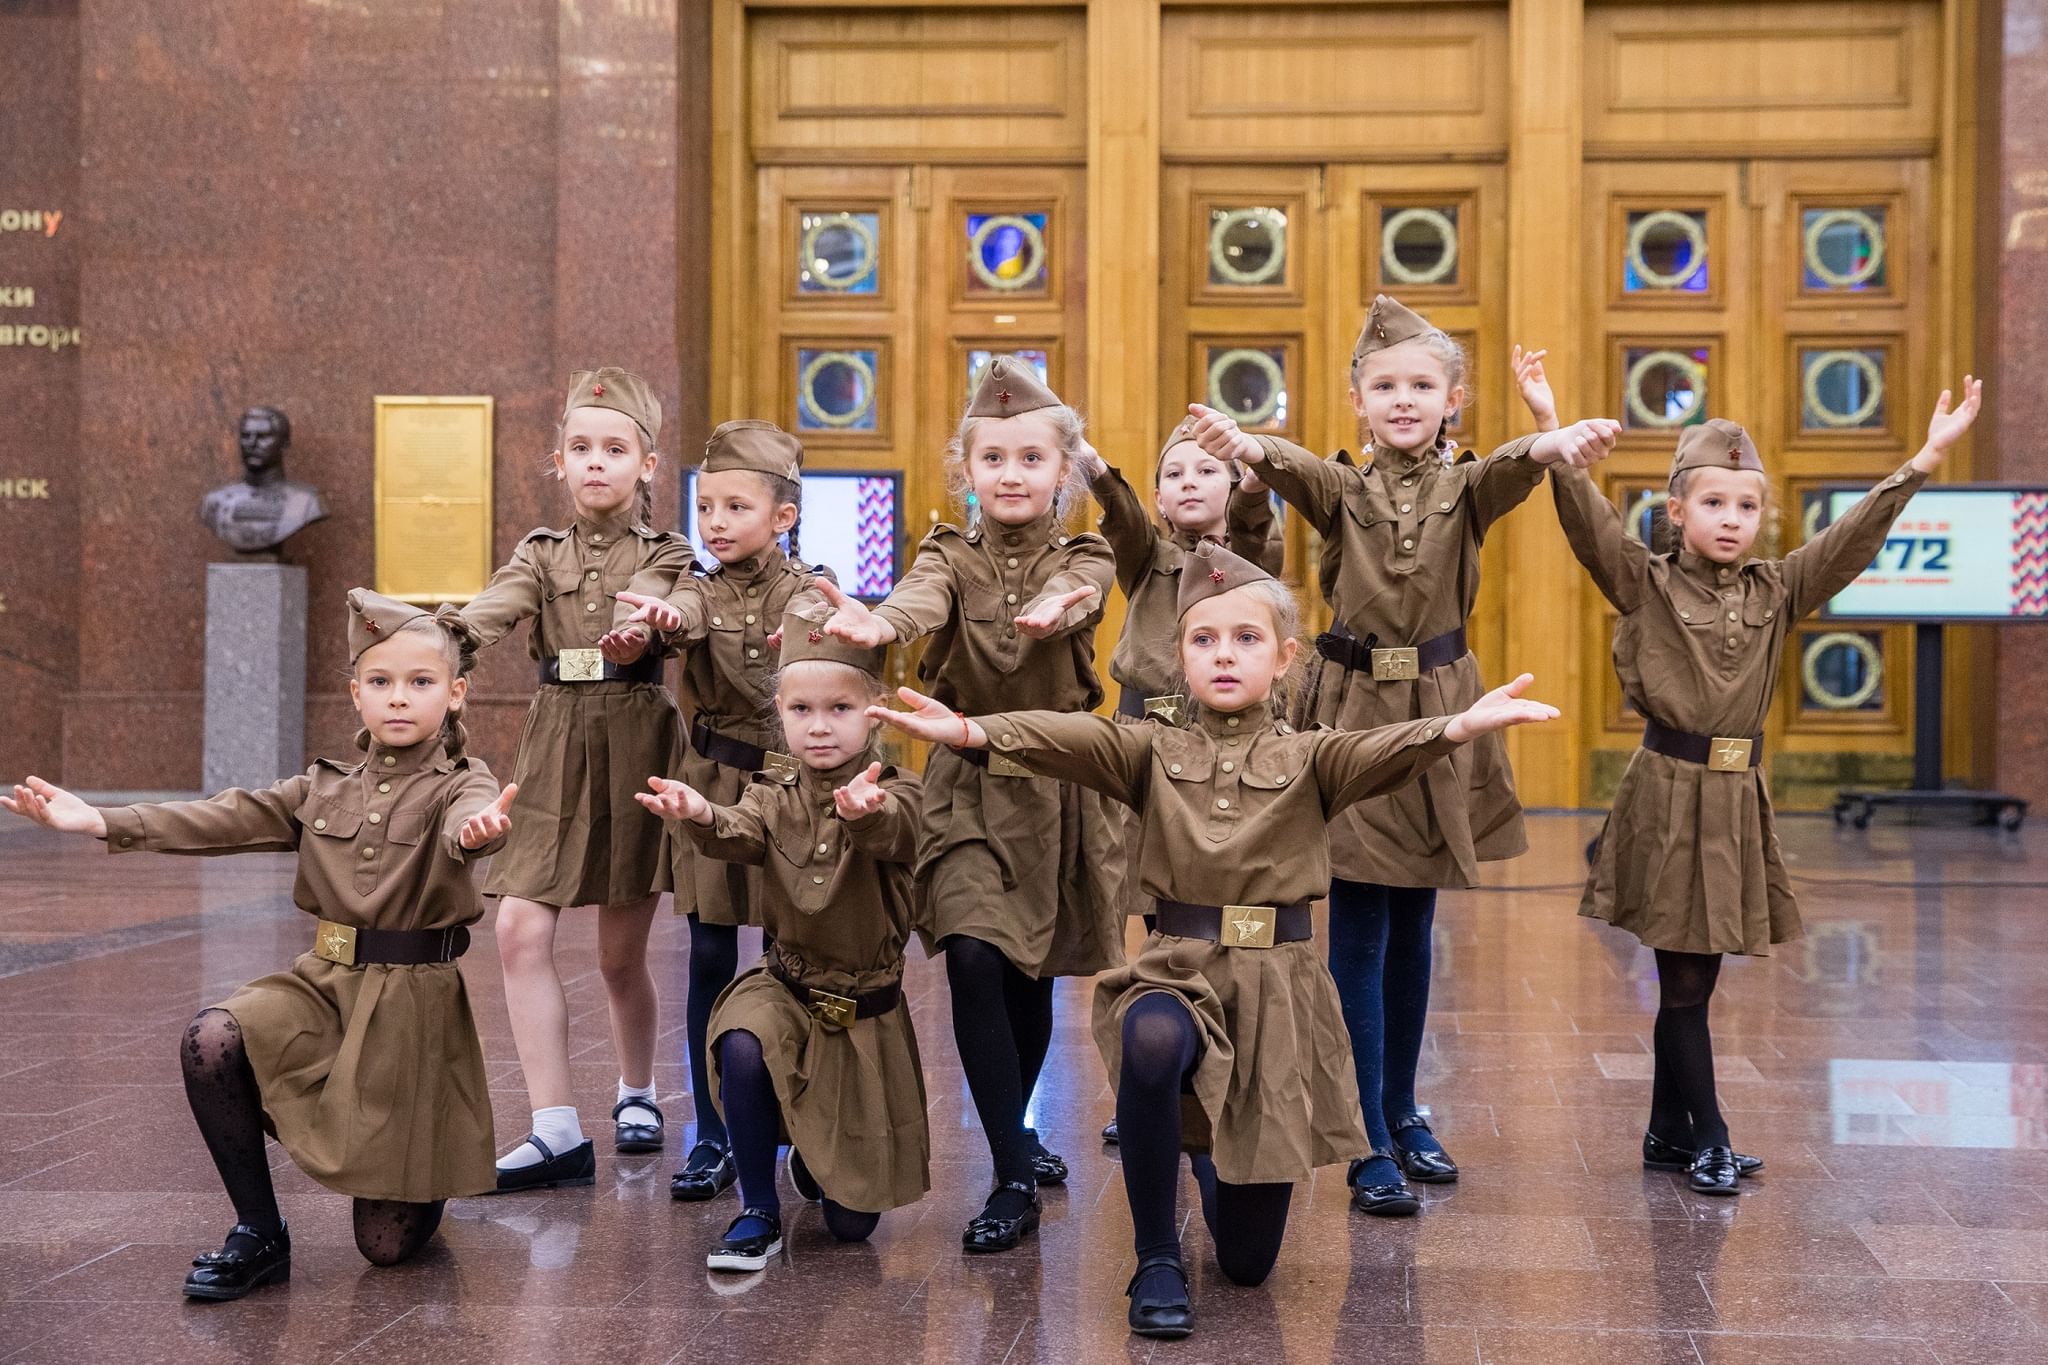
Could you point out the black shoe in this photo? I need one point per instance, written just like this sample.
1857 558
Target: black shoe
577 1166
1109 1133
224 1274
1659 1155
801 1177
1046 1168
1430 1168
745 1254
1385 1201
989 1233
1167 1315
707 1178
636 1137
1713 1171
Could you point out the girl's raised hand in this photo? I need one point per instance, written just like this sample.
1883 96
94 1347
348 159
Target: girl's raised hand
1498 709
1581 445
861 796
1945 428
489 823
653 611
675 801
54 808
851 620
930 721
1535 386
1249 481
1090 460
1044 618
1219 436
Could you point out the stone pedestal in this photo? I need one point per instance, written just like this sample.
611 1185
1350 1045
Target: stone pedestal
255 674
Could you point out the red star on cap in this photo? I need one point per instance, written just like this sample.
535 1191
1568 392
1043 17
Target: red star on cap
370 624
597 390
1215 575
1003 397
815 636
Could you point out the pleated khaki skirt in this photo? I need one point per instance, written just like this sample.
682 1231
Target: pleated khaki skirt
1274 1093
372 1077
852 1099
1033 866
578 837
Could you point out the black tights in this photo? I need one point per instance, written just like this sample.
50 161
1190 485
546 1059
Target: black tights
1683 1108
714 959
1001 1049
756 1122
221 1088
1246 1222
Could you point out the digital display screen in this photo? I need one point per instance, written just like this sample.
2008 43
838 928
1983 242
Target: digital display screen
1957 553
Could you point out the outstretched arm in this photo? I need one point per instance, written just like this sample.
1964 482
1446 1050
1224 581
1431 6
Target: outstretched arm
1617 562
1314 486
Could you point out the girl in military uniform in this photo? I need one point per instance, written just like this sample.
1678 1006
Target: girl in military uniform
1400 570
363 1059
749 496
816 1042
1021 876
599 724
1225 1037
1689 861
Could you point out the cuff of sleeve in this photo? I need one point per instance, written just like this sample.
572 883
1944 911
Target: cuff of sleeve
124 829
864 823
1435 741
1276 454
1905 474
898 622
1002 735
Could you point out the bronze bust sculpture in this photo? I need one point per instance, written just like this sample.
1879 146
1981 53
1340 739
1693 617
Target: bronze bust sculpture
262 511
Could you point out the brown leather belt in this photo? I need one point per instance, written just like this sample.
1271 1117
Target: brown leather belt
1235 926
839 1009
737 753
1719 752
1171 707
588 665
348 946
1390 665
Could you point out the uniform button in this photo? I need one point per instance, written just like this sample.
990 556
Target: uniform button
1011 561
1406 482
1731 616
1443 507
1407 507
1231 742
1173 768
1769 614
1228 766
1063 540
597 540
590 606
824 848
383 786
1232 722
592 575
750 618
1222 803
753 653
369 853
1731 642
752 591
718 620
127 842
390 762
818 880
376 819
1685 616
1011 598
320 823
1281 780
1407 544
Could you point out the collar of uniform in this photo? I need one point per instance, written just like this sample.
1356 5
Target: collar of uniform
1188 540
1254 719
387 761
1039 532
754 566
1703 570
606 530
1405 461
822 782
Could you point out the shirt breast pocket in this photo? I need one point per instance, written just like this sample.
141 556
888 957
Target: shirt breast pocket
981 601
558 583
325 818
1276 772
410 826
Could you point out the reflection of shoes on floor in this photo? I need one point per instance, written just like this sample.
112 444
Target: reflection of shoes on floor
577 1166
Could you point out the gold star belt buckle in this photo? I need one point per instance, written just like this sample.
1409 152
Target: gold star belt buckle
1000 766
1729 755
1172 708
780 767
1249 926
336 943
828 1008
1395 665
579 665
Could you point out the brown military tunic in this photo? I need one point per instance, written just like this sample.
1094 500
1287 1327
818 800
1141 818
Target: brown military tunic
728 677
578 836
1148 563
1235 810
1400 567
1689 860
838 901
371 1077
1034 867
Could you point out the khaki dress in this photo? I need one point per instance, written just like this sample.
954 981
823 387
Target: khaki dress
1148 561
728 683
371 1077
1400 567
1032 866
1689 859
578 836
838 900
1235 810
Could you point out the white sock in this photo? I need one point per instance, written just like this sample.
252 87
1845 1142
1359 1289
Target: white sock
638 1092
557 1127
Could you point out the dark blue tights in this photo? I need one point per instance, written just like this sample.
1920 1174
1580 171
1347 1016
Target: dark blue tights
749 1096
1379 955
714 959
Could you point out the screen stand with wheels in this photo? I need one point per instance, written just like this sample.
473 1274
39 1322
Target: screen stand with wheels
1856 806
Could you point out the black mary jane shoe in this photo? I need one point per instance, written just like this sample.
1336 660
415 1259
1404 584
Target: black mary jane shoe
1428 1168
1170 1316
801 1177
699 1181
744 1255
577 1166
1109 1135
223 1275
990 1233
1383 1201
1659 1155
1713 1171
1047 1168
636 1137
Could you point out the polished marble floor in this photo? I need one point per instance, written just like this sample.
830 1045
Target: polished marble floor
1892 1069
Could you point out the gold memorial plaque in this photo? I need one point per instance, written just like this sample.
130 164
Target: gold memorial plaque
433 498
